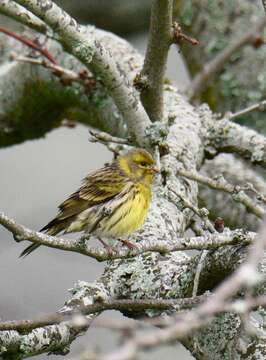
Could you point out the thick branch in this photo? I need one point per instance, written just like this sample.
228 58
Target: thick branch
155 61
226 136
81 42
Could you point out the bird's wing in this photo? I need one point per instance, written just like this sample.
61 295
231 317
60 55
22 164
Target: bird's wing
102 185
98 187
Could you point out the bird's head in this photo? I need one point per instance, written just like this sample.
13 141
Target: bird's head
139 165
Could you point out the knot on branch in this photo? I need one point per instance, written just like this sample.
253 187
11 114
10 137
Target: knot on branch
178 35
141 82
85 293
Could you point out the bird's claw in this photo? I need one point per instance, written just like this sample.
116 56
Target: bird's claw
129 244
110 249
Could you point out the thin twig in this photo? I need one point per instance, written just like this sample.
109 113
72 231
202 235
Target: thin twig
208 241
260 196
202 213
69 74
29 43
66 75
156 58
237 192
20 14
198 272
103 137
112 304
178 35
214 66
259 106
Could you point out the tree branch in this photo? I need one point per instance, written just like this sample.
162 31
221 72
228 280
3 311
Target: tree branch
226 136
23 92
20 14
201 213
111 304
156 58
220 204
237 192
260 106
208 241
81 42
31 44
104 138
66 75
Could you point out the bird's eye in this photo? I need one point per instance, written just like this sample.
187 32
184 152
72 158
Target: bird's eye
143 164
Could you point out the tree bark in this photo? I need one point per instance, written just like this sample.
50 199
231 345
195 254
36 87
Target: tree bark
216 25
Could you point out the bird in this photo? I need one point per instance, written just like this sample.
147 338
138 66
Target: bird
112 202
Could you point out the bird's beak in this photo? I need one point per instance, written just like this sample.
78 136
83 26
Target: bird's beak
154 170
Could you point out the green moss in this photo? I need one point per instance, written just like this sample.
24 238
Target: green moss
41 108
43 105
224 329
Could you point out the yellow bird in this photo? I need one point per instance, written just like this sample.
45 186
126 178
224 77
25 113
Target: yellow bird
112 201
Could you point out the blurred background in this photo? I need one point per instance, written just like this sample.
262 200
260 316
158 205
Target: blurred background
37 175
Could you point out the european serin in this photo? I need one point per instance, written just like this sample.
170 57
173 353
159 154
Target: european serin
112 201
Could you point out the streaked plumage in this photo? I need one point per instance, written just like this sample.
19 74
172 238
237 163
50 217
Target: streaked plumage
112 201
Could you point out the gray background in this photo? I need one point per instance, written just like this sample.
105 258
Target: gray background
35 177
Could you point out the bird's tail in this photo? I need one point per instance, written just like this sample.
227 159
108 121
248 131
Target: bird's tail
29 250
52 228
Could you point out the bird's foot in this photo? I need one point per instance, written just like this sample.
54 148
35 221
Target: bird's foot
110 249
129 244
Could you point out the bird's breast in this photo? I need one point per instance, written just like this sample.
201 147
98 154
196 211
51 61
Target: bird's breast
128 212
